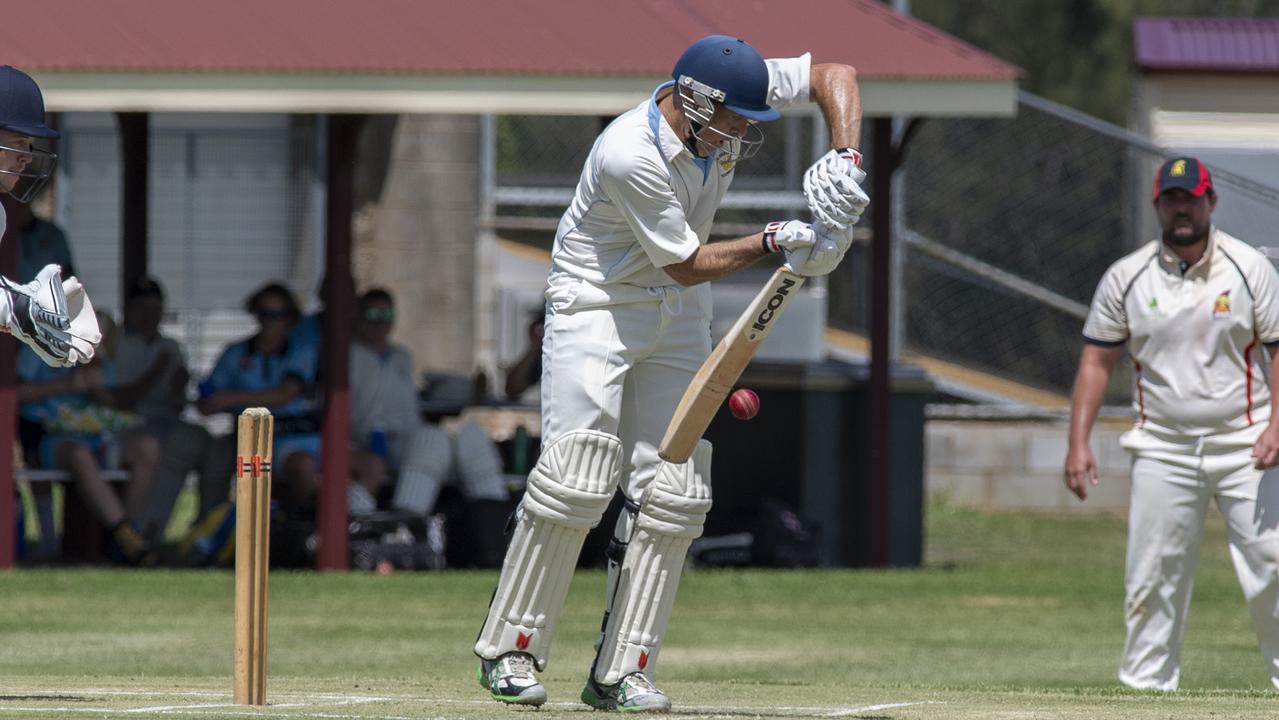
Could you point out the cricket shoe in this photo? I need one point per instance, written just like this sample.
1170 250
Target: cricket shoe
510 679
633 693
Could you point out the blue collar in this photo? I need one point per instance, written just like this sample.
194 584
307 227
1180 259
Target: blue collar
669 145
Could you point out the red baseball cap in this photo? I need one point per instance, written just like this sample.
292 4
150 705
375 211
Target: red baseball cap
1183 173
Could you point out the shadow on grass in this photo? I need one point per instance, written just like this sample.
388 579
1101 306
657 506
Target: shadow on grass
47 698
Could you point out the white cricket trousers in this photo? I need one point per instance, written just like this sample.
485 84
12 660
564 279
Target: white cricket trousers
617 358
1173 479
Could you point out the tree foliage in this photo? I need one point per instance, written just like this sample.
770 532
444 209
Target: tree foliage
1076 52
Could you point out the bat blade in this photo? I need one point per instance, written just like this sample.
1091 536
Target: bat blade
721 370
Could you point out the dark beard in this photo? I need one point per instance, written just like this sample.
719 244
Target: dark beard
1172 239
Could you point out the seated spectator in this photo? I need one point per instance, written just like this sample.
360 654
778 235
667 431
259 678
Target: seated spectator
69 420
420 457
266 370
40 242
152 375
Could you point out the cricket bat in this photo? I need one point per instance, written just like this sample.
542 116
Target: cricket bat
717 375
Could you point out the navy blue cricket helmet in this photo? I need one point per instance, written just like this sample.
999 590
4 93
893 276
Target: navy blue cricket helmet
25 168
22 105
732 71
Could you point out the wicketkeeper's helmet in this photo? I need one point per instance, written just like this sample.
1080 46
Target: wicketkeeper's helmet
22 112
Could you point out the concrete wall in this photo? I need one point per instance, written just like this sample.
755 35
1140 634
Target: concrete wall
1012 464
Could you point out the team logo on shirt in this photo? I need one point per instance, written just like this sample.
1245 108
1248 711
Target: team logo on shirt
726 162
1153 309
1221 306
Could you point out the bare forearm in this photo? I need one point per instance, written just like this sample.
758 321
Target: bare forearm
520 376
1090 389
718 259
1274 378
834 88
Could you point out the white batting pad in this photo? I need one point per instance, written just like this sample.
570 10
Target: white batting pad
479 466
671 516
428 462
567 493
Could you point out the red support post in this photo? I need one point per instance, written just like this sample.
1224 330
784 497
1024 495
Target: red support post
135 166
339 302
880 391
8 404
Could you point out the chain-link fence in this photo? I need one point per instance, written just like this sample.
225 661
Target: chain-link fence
1005 225
1008 225
539 160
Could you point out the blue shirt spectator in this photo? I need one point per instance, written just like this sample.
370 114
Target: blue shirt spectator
309 331
242 368
275 371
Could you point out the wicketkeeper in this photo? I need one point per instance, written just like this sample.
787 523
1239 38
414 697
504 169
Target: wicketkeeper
52 316
627 327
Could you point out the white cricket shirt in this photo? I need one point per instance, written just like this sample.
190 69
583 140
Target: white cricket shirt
1195 336
644 200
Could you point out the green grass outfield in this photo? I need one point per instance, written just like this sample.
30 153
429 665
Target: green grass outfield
1014 616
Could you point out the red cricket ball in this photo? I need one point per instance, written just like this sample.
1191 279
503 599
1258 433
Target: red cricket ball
743 404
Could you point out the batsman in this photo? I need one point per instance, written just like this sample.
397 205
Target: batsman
627 327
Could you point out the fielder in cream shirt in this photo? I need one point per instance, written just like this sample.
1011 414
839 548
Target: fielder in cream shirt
1198 311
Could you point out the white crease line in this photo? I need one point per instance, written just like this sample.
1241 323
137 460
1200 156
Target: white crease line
6 710
324 716
356 699
336 697
171 708
104 691
299 699
362 699
886 706
162 708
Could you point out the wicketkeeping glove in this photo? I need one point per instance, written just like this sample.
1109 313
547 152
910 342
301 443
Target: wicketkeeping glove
51 316
832 187
84 334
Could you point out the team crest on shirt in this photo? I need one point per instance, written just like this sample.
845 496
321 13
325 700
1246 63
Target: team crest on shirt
1153 309
1221 306
726 162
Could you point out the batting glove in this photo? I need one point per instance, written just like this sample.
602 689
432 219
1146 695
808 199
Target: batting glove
787 235
824 255
832 187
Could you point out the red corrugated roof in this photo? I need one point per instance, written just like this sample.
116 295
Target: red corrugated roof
1207 44
536 37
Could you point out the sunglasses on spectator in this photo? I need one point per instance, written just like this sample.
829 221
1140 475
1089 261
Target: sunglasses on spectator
265 314
379 314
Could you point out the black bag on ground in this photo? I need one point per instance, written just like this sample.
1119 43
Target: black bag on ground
782 539
406 540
